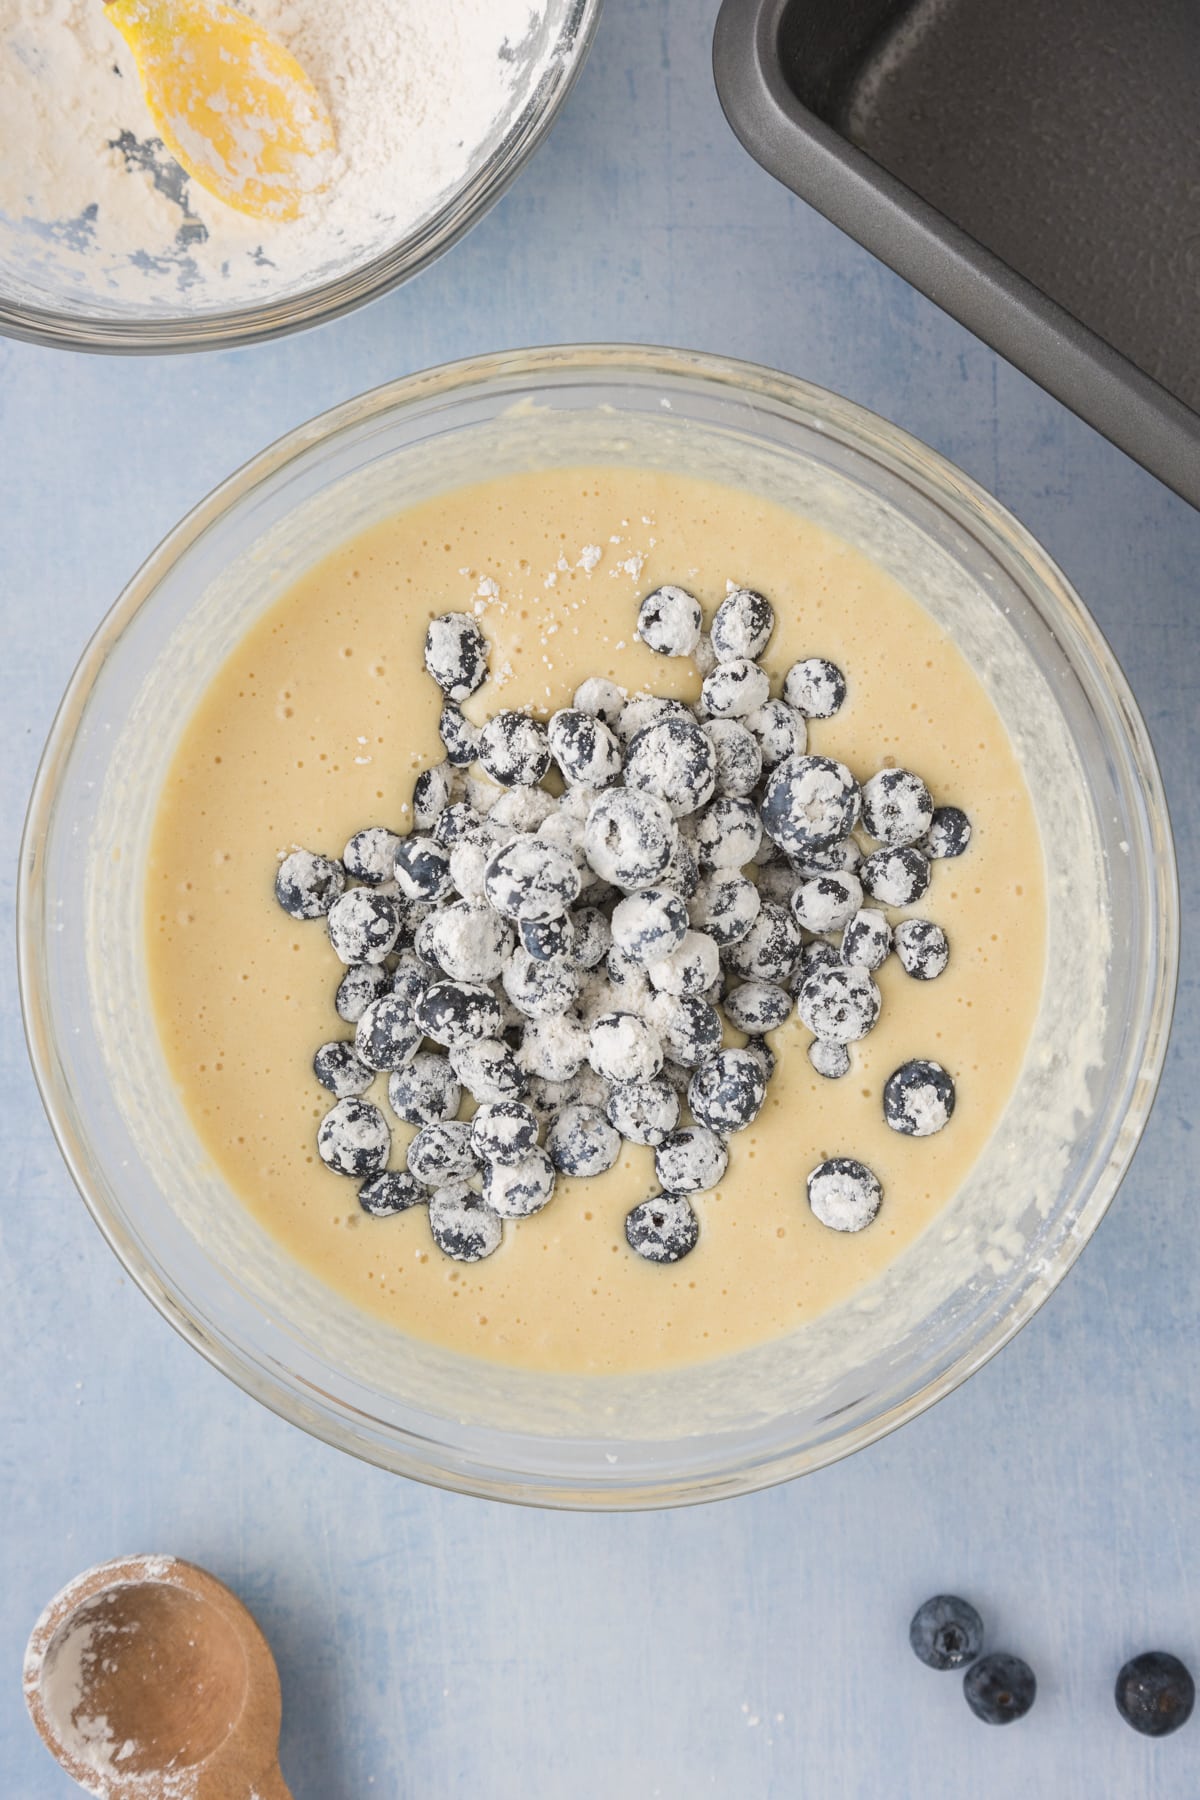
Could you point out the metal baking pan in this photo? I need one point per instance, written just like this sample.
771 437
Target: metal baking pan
1032 166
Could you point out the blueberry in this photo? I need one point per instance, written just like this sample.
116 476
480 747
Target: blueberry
825 903
306 885
691 968
585 748
689 1028
629 838
727 1091
410 977
580 1141
757 1006
769 949
690 1160
370 855
489 1070
516 1190
739 757
363 926
452 1012
442 1152
669 621
830 1060
362 983
456 654
628 981
391 1191
622 1047
463 1226
676 760
725 905
1000 1688
353 1138
647 709
422 867
337 1068
844 1194
742 626
548 940
459 823
521 809
728 835
425 1092
759 1048
649 924
814 956
780 732
1155 1693
815 687
775 880
682 873
663 1229
431 796
867 939
946 1632
895 877
918 1099
530 879
735 689
948 835
467 940
897 807
602 698
839 1003
645 1112
506 1132
540 990
923 948
593 937
809 803
513 749
460 739
386 1036
554 1048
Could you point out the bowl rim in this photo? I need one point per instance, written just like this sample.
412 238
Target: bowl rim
268 319
864 430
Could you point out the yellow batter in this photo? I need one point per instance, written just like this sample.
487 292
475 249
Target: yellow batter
318 724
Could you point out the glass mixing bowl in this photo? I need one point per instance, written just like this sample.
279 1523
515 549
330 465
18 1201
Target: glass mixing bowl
950 1301
55 286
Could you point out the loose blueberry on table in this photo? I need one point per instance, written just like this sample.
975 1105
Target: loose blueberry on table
1155 1693
1000 1688
569 960
946 1632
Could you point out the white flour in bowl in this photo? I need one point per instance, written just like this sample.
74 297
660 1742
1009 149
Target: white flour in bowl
90 202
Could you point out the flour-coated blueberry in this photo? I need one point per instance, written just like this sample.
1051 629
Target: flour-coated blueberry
516 1190
456 654
690 1160
629 837
809 802
669 621
452 1012
843 857
353 1138
825 903
725 905
554 1048
663 1229
592 937
839 1003
675 759
844 1194
585 748
442 1152
768 951
727 1091
488 1069
923 949
645 1112
867 939
514 750
896 807
370 855
504 1132
581 1142
391 1191
895 877
431 796
601 697
460 738
307 884
540 989
779 731
727 835
688 1026
530 879
948 835
830 1060
649 924
815 687
387 1035
362 983
623 1047
739 757
691 968
734 689
463 1226
548 940
918 1098
338 1068
757 1006
742 625
426 1091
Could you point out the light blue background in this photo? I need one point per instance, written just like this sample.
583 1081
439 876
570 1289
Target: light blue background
435 1647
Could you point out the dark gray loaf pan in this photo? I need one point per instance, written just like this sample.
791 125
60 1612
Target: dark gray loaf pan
1032 166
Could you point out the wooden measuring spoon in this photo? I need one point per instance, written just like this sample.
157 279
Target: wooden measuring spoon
149 1680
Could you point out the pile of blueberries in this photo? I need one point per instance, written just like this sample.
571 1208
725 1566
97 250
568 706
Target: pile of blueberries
1154 1692
564 953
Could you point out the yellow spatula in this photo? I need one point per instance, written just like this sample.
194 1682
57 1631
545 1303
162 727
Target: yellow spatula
232 105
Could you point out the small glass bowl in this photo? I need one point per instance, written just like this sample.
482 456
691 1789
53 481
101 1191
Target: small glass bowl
45 304
950 1301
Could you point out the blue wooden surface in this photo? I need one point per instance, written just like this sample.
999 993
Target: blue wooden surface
432 1646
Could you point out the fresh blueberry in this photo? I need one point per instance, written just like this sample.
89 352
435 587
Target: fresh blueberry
739 757
442 1152
505 1132
488 1069
809 803
769 949
669 621
725 905
734 689
923 948
337 1068
391 1191
896 807
353 1138
690 1028
463 1226
1155 1693
728 835
513 749
839 1003
386 1036
757 1006
530 879
540 990
585 748
431 796
663 1229
456 654
825 903
306 885
362 983
548 940
649 924
423 867
645 1112
425 1092
844 1194
690 1160
691 968
779 731
516 1190
600 697
918 1099
830 1060
867 939
727 1091
946 1632
948 835
622 1047
815 687
895 877
460 739
452 1012
676 760
742 625
1000 1688
580 1141
629 837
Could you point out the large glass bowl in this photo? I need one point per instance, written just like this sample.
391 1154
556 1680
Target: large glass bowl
953 1298
53 291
